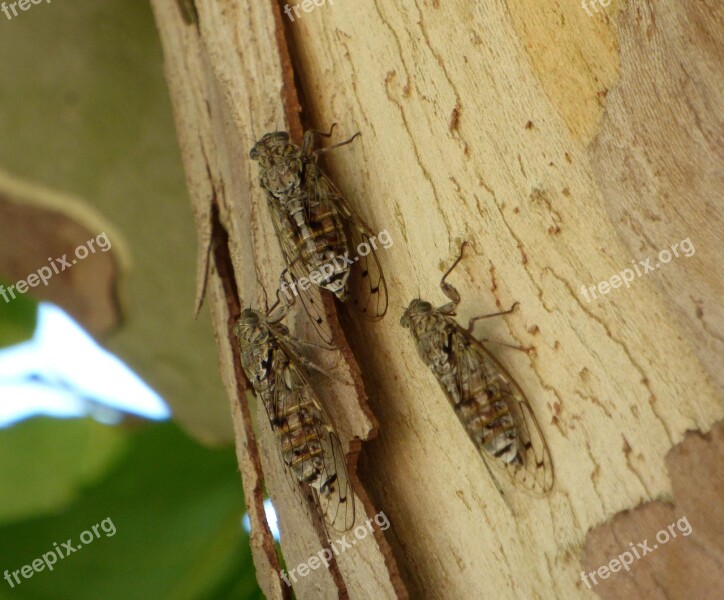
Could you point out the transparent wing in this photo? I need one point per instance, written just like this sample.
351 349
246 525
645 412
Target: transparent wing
475 365
367 284
311 297
275 403
309 443
337 502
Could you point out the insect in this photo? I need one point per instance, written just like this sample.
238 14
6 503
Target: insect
487 400
319 233
309 445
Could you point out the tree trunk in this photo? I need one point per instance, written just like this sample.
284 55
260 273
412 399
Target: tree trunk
562 146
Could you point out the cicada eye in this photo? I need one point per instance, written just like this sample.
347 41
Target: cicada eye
249 317
280 136
424 307
254 153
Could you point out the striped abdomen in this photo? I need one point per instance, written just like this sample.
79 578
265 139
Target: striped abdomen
315 229
299 426
486 418
302 443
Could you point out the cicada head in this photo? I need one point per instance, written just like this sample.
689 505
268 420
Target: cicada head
251 328
416 309
269 145
249 317
280 163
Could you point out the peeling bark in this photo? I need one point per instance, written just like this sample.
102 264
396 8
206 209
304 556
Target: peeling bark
467 133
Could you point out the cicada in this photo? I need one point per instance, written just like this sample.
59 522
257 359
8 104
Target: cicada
309 446
319 233
489 403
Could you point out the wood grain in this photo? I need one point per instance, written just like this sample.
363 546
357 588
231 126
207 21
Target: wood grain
615 382
542 136
225 92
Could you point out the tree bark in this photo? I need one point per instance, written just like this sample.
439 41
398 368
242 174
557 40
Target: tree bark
562 147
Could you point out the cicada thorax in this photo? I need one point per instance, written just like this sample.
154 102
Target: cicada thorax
474 391
257 349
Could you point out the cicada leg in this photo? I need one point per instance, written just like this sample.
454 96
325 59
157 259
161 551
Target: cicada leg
308 139
337 145
471 323
448 289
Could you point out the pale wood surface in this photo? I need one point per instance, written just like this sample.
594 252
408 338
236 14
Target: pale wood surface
562 147
224 92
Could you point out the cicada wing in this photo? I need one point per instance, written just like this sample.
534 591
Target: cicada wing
477 369
264 368
367 285
311 297
336 500
326 471
279 402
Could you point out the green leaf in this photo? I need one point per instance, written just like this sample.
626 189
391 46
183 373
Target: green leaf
17 317
176 508
44 463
